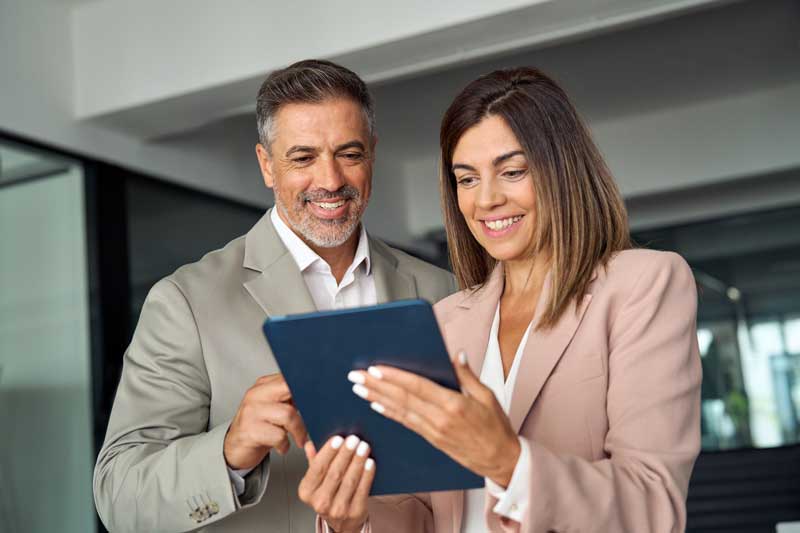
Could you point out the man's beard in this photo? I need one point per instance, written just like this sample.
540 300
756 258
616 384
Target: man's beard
320 232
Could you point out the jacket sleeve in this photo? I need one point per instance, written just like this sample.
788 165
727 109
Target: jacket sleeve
653 407
160 467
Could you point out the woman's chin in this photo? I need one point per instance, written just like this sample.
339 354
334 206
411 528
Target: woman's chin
507 252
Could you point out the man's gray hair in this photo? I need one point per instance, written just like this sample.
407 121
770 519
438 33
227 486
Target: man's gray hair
308 81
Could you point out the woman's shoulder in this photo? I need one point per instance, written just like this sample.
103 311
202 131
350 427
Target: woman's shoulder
444 308
642 267
638 259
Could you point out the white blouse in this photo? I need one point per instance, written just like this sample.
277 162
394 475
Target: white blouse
512 500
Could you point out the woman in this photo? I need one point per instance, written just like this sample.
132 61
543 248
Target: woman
577 355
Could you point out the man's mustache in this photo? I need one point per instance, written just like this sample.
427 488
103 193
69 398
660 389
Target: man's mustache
346 192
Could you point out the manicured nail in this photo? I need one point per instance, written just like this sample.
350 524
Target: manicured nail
362 449
355 377
352 442
462 358
369 465
360 390
336 442
374 372
378 408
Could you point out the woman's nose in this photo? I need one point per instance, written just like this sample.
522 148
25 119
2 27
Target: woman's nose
489 195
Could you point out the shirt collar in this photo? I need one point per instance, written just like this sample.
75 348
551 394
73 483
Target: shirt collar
305 257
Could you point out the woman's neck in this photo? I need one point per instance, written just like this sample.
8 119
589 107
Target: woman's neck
525 276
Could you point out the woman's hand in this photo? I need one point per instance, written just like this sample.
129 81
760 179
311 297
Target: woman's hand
337 482
469 426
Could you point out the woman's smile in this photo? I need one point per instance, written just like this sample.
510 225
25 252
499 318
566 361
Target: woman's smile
499 227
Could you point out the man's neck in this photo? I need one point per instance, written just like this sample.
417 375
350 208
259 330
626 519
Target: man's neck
339 258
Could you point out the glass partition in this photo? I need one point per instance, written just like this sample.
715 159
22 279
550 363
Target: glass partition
748 271
46 449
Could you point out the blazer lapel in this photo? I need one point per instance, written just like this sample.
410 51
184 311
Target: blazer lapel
279 287
391 283
469 331
541 354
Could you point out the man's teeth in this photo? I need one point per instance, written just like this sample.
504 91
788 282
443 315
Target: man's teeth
330 205
502 223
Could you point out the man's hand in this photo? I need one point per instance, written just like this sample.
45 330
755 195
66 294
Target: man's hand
265 419
337 482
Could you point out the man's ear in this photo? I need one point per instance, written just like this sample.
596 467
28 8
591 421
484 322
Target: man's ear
265 164
374 144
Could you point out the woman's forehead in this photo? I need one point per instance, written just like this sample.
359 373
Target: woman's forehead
485 141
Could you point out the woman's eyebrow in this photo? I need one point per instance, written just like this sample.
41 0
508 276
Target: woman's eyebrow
461 166
505 157
496 161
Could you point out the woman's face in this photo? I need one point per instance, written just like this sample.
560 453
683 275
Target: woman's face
495 189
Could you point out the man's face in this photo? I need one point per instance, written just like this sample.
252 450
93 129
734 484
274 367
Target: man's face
320 168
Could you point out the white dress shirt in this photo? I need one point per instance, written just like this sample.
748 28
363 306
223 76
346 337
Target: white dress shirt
356 289
512 500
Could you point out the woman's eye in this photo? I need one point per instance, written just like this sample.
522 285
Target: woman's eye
466 181
514 174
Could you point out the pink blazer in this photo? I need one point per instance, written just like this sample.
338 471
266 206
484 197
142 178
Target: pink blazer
609 400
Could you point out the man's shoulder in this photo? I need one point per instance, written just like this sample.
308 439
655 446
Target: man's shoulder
433 283
215 268
411 264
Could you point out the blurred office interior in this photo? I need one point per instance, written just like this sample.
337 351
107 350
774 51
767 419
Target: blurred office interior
126 150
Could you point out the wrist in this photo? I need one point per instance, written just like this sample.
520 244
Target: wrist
507 464
345 526
238 456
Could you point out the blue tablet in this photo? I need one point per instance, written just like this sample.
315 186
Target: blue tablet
315 351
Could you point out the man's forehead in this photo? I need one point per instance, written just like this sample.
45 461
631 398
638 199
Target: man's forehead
331 121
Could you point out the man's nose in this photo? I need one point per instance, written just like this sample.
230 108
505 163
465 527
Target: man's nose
330 177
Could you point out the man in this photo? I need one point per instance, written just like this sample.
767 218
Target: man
200 407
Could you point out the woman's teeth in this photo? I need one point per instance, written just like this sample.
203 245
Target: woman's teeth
330 205
501 223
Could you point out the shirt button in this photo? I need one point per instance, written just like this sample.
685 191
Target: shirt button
513 507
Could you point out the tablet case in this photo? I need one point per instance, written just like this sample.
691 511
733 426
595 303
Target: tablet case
315 351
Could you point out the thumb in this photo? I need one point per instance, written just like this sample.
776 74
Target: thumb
311 452
470 384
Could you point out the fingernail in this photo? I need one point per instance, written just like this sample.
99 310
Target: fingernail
336 442
352 442
375 373
377 407
362 450
462 358
369 465
360 390
355 377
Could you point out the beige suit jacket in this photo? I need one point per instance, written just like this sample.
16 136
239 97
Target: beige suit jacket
609 400
197 348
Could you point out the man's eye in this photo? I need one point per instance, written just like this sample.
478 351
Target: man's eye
303 159
353 156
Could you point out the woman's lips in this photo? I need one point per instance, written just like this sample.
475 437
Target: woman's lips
501 227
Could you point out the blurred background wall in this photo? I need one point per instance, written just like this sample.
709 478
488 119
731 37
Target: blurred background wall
127 132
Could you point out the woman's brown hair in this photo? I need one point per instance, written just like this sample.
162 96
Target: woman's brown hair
580 216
